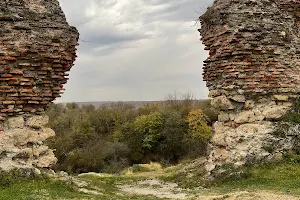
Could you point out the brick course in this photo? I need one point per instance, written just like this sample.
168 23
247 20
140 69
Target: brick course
254 46
37 48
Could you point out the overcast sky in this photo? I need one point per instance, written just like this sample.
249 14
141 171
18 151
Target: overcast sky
135 49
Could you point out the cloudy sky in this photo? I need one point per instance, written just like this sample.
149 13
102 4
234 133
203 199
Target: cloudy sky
135 49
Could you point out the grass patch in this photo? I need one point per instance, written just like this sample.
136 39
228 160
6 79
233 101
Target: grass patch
281 177
41 189
47 189
189 174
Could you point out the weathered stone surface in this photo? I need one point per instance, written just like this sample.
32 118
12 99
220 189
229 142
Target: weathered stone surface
248 144
222 103
221 154
275 112
243 52
46 160
37 121
281 97
253 78
244 117
249 104
238 98
223 117
21 137
218 137
46 133
16 122
37 150
21 146
214 93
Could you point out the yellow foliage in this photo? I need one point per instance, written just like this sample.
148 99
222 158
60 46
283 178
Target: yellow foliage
198 128
153 166
140 168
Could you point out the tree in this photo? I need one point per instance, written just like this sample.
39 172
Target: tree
172 136
199 133
150 127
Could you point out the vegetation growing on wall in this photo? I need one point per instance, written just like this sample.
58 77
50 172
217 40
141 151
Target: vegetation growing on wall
289 127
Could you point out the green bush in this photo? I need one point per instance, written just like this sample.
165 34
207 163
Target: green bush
7 179
111 137
99 156
142 136
150 127
171 146
292 158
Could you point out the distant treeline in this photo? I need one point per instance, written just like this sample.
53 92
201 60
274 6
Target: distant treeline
113 136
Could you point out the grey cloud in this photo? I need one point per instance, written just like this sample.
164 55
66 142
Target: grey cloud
157 55
74 11
111 39
178 10
106 43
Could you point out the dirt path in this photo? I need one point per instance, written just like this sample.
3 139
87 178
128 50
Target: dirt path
156 188
128 185
259 195
172 191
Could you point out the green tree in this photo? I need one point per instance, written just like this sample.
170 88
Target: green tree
172 137
142 136
150 127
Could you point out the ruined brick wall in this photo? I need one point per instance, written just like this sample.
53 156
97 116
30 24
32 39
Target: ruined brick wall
254 47
252 72
37 48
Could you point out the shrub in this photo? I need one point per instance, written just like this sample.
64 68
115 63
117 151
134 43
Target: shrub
142 136
182 103
171 144
111 137
7 179
150 127
198 134
150 108
198 128
98 156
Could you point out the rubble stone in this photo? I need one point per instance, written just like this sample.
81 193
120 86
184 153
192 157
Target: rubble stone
238 98
16 122
222 103
21 146
37 121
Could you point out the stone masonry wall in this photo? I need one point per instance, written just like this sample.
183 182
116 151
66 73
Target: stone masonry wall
253 74
21 143
37 49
